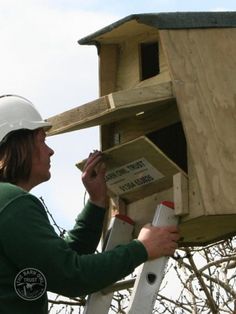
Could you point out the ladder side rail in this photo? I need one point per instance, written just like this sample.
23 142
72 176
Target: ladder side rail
120 231
151 273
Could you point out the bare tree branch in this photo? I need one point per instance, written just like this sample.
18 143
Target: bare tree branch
210 300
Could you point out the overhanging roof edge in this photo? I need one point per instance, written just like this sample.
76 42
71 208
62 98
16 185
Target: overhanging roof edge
172 20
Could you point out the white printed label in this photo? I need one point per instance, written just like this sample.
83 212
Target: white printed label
131 176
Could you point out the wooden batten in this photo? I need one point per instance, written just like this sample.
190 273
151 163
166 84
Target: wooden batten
108 67
180 191
204 84
111 108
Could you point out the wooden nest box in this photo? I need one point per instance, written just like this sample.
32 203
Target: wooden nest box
167 116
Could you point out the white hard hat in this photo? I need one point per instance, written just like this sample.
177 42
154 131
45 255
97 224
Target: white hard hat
17 113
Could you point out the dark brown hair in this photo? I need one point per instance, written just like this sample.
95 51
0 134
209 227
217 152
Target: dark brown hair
16 156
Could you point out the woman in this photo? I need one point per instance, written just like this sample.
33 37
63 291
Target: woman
33 258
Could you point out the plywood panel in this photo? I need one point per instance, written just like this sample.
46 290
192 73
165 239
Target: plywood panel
141 147
79 117
108 65
143 210
115 106
128 75
141 96
137 169
203 69
128 30
207 229
128 71
137 125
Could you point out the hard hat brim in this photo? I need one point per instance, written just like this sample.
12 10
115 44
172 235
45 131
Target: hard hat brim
26 125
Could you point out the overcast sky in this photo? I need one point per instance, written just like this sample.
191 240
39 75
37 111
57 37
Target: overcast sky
41 60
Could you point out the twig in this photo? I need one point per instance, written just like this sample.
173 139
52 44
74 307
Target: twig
212 305
61 230
71 303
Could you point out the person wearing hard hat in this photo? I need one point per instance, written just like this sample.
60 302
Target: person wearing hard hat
33 258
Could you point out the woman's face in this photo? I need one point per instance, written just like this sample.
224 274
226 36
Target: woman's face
40 160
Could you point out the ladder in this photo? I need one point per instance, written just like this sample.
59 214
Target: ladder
149 274
120 231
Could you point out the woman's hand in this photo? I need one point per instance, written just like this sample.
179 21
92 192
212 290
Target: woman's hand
159 241
93 178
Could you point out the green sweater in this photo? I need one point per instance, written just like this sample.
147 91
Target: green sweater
27 240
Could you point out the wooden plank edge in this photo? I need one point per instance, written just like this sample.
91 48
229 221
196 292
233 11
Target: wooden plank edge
110 104
180 190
